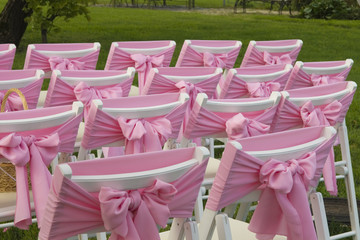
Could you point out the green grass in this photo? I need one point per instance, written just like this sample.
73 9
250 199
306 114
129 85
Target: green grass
323 41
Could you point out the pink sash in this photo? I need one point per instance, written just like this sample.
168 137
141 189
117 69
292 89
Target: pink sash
72 210
40 61
142 63
38 152
234 125
283 205
7 59
300 79
193 58
31 93
256 58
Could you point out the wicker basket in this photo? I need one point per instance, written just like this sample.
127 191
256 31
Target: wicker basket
7 170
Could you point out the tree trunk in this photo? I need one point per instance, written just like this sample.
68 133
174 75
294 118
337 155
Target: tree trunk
12 22
44 35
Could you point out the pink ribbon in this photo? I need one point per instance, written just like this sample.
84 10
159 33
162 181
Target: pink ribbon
59 63
262 89
215 60
239 127
38 152
144 63
143 135
271 60
283 206
328 116
134 214
318 80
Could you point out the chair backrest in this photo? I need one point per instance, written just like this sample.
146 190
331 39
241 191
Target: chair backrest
257 81
62 56
143 55
141 123
68 86
7 55
209 53
230 118
271 52
35 137
162 184
277 170
29 82
308 74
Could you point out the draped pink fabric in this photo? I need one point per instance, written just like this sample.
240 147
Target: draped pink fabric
283 205
142 63
193 58
40 61
7 60
38 152
102 129
301 79
233 125
292 116
254 57
72 210
31 93
234 87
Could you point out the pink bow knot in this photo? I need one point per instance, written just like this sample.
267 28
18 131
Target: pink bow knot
191 89
59 63
327 115
318 80
262 89
215 60
144 62
134 214
239 127
272 60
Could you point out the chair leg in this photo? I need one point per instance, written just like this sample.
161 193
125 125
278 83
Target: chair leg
223 226
318 208
243 211
191 231
199 207
101 236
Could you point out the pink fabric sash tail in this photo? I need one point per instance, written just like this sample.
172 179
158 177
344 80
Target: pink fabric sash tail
262 89
7 60
40 61
144 136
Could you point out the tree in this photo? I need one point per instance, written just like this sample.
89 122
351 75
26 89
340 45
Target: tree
46 11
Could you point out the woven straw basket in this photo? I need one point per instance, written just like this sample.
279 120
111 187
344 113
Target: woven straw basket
7 170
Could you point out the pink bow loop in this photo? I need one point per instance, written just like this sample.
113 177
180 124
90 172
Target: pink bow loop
214 60
59 63
239 127
312 116
318 80
272 60
15 150
144 62
134 214
262 89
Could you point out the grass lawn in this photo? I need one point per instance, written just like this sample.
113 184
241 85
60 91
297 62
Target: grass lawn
323 41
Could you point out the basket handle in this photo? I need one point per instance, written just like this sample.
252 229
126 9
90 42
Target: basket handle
7 94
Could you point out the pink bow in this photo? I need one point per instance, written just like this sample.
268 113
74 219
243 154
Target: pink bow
144 63
328 116
318 80
283 205
215 60
144 136
239 127
134 214
38 153
271 60
13 103
59 63
262 89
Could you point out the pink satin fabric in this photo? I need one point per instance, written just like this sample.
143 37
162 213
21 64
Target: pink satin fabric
283 207
301 79
254 57
31 93
38 152
234 87
142 63
7 60
291 116
40 61
232 125
193 58
127 214
140 135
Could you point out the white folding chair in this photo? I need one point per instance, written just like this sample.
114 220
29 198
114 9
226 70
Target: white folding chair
278 174
261 53
143 189
7 55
